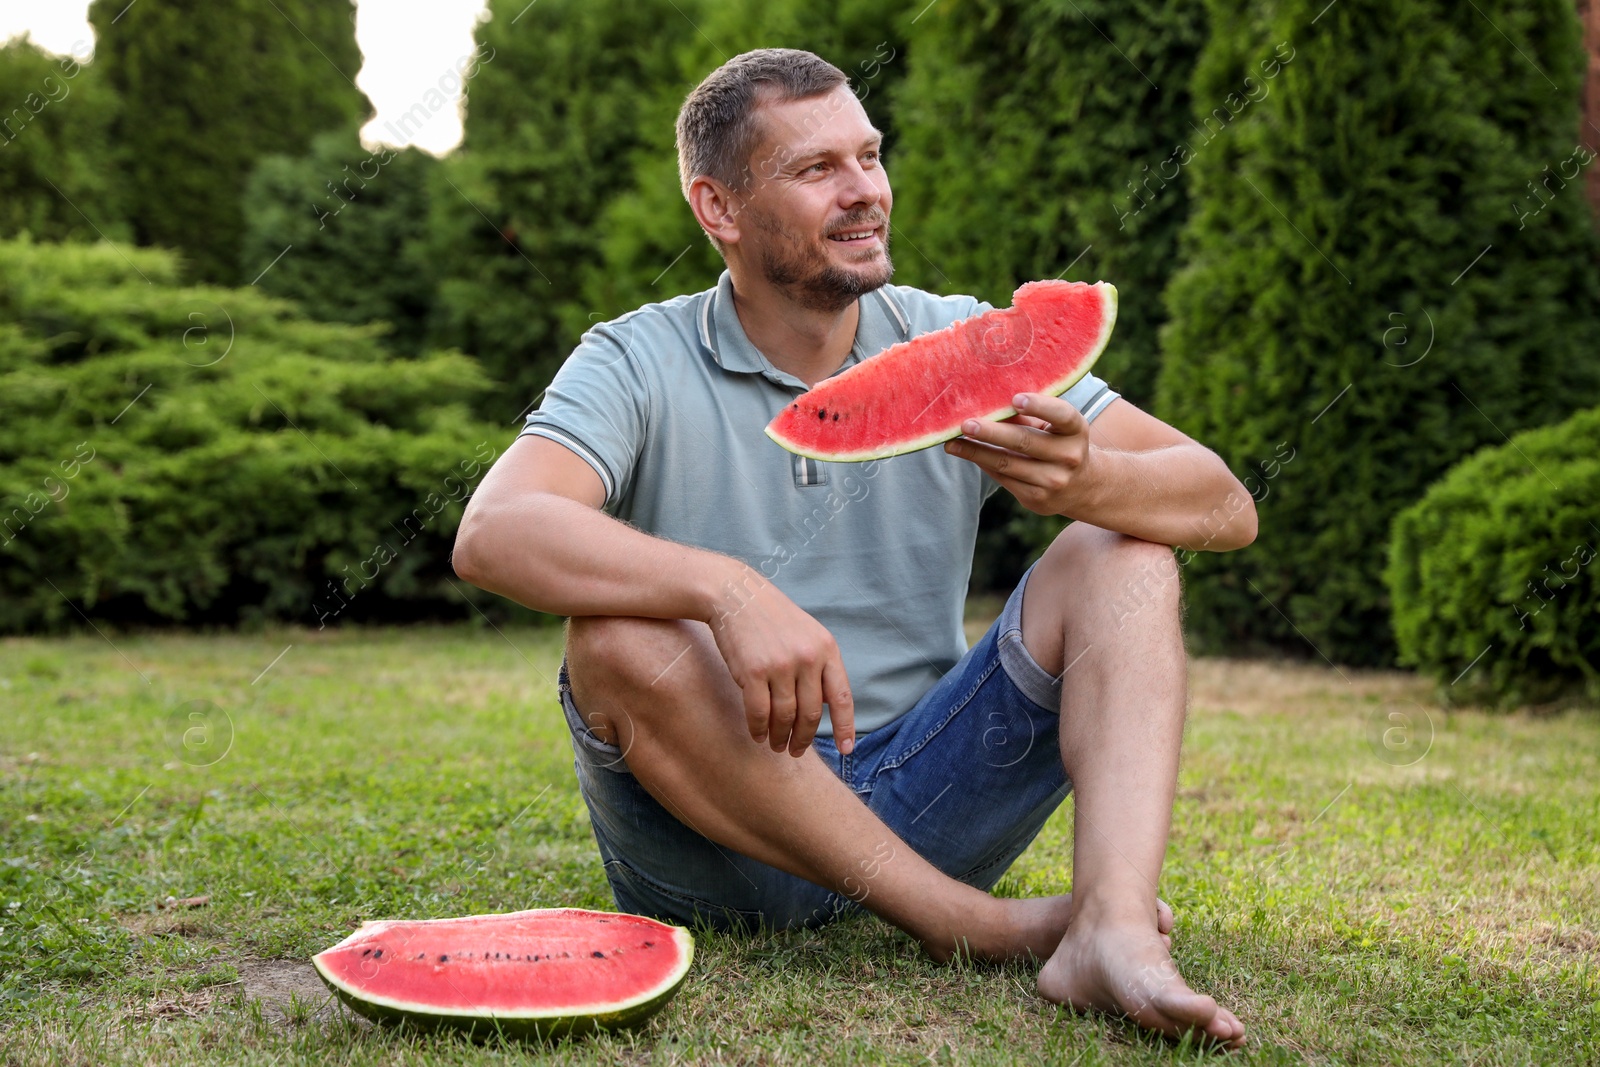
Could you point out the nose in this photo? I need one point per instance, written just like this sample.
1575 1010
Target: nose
858 187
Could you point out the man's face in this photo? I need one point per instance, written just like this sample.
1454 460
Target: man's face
818 208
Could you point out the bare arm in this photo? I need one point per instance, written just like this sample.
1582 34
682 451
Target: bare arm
534 533
1127 471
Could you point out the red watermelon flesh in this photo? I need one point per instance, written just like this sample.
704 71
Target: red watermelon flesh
916 394
544 972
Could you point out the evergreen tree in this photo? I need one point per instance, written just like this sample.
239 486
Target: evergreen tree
356 220
1040 138
552 123
1388 266
1043 139
209 87
55 177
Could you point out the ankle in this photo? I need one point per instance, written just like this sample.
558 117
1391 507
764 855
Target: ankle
970 925
1114 906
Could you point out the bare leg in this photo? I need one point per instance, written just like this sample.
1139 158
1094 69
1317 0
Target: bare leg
660 690
1103 607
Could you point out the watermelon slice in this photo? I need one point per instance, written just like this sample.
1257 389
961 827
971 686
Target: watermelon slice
540 973
915 394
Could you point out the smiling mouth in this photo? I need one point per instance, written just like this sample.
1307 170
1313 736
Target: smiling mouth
855 237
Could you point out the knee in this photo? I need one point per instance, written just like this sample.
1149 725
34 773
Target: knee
624 655
1087 558
609 646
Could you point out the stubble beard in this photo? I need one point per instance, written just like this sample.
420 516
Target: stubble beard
804 272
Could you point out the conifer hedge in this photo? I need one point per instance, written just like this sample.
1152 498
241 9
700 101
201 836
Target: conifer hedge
1495 573
1036 139
1389 265
206 88
56 181
207 455
355 222
552 124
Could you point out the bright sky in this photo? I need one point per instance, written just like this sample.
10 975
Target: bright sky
408 47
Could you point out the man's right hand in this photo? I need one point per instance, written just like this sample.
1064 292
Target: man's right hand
786 662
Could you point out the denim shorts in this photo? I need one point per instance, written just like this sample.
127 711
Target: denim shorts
967 778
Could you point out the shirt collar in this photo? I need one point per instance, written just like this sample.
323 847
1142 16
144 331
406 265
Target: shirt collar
882 323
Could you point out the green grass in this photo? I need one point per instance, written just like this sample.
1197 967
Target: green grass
1351 909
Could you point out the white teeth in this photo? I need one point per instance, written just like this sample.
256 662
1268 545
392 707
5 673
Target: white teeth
853 236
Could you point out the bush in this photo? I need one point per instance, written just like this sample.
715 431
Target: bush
56 181
208 455
205 90
552 122
1495 569
356 220
1387 190
1030 131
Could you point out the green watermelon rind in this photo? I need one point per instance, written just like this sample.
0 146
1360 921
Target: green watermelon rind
918 444
522 1026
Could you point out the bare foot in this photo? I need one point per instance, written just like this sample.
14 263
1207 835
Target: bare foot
1121 967
1027 928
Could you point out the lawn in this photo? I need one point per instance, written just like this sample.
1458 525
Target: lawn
1363 876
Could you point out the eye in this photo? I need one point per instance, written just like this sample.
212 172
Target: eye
818 167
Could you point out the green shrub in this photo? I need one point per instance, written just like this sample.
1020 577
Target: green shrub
208 455
205 90
1495 569
552 123
356 220
56 181
1410 177
1031 136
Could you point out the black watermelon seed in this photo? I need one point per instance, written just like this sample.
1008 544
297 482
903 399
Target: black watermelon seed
368 952
835 416
378 953
444 959
822 413
598 955
649 944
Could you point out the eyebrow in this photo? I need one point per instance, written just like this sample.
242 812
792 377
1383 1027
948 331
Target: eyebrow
876 137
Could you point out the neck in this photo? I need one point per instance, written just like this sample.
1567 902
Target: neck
805 342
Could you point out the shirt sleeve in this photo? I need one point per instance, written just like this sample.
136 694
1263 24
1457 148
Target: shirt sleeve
1090 395
597 406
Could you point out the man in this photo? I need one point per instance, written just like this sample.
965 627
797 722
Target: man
774 714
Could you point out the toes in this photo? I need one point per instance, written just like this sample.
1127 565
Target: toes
1164 917
1227 1028
1190 1010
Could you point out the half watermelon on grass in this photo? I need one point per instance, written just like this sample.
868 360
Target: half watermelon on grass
915 394
541 973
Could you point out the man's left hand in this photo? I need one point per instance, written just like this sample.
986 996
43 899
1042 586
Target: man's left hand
1040 454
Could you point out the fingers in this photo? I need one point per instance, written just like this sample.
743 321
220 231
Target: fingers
1026 420
999 461
782 718
1063 415
841 705
757 708
808 711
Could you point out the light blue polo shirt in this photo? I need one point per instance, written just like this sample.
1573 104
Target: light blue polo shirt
668 404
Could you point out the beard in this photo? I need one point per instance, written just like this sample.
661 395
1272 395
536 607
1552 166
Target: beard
804 272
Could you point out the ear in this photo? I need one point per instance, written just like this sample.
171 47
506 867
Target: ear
717 208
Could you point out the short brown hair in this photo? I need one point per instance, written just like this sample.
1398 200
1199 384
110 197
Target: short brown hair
717 126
